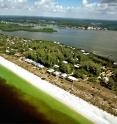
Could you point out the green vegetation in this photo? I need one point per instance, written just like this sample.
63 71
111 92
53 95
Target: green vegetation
53 110
16 27
62 22
48 53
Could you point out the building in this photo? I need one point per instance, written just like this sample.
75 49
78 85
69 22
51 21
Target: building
71 78
56 66
106 80
30 61
115 63
65 62
77 66
56 73
64 75
83 51
39 65
50 71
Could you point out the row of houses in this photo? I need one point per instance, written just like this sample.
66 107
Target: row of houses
62 75
51 71
30 61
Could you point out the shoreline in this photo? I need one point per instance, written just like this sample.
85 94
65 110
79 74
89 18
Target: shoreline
79 105
61 43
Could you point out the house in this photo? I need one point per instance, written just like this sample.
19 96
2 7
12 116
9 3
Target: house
106 80
56 66
83 51
77 66
65 62
115 63
28 61
50 71
71 78
56 73
7 51
39 65
64 75
86 53
30 49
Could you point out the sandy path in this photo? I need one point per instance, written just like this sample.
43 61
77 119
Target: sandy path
91 112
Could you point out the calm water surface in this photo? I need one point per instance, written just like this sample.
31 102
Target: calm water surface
101 42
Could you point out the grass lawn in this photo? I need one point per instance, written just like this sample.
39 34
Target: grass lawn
53 110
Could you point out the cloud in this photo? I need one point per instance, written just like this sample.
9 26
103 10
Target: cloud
7 4
48 5
103 9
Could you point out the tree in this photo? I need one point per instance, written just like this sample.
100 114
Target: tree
66 68
92 67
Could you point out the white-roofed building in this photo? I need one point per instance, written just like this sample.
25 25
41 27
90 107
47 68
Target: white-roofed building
64 75
30 61
39 65
71 78
106 79
56 66
115 63
77 66
56 73
50 70
83 51
65 62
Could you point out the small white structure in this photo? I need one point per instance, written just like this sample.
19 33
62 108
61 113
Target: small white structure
106 79
7 51
28 61
71 78
115 63
65 62
50 70
56 66
56 73
30 49
77 59
39 65
64 75
77 66
86 53
83 51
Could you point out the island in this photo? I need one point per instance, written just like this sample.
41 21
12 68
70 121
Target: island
10 27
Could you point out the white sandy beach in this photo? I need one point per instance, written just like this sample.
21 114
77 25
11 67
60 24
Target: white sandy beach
91 112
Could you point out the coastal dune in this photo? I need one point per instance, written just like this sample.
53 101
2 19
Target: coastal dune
89 111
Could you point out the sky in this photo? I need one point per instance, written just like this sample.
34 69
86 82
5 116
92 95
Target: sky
86 9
